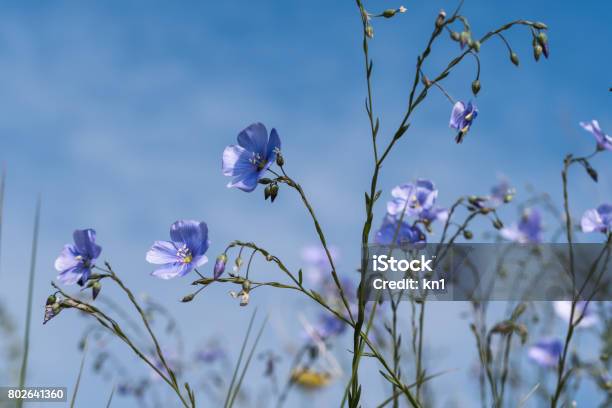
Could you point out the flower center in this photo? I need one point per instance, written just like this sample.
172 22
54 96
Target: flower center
86 262
184 254
258 161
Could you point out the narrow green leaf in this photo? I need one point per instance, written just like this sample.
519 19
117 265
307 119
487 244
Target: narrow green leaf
26 337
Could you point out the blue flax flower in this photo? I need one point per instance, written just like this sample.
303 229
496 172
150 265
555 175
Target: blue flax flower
462 117
407 233
527 231
597 219
546 352
76 260
604 141
248 161
184 253
412 199
329 326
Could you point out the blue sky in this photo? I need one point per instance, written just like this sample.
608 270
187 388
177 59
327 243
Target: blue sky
117 113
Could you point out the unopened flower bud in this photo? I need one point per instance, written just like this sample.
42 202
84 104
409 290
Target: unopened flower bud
280 161
246 285
267 192
508 198
464 38
476 87
237 265
425 81
537 51
51 300
467 234
265 180
540 26
514 58
455 36
219 266
369 30
497 224
441 18
273 191
542 39
188 298
96 286
389 13
475 45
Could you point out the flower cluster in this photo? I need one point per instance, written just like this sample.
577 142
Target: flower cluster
416 201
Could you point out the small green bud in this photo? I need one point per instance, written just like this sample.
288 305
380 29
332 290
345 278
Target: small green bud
508 198
96 286
280 161
455 36
425 80
389 13
273 191
475 87
265 180
188 298
542 39
267 191
467 234
475 45
464 38
441 18
246 285
537 52
497 224
51 300
540 26
369 30
514 58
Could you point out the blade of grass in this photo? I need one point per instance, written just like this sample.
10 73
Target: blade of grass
110 397
78 380
398 393
244 343
26 337
248 361
528 395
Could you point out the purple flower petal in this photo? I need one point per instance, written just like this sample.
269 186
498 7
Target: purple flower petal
194 234
162 252
85 242
457 115
254 138
174 270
